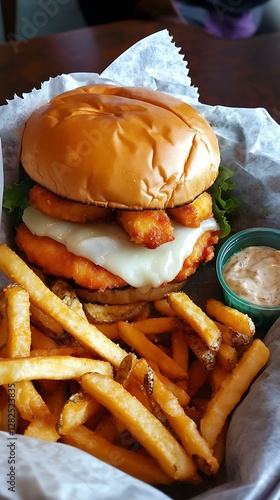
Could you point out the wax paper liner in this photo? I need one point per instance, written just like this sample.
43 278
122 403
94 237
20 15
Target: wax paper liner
250 144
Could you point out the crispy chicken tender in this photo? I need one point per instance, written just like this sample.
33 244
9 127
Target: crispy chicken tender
192 214
54 258
150 228
203 250
54 206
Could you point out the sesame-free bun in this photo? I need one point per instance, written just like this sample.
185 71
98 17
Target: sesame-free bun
120 147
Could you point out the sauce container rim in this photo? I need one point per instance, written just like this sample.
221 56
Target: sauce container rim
226 246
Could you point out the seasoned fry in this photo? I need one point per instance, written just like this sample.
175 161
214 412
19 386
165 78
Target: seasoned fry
50 367
44 429
137 340
180 393
148 431
202 352
189 312
62 289
237 320
107 313
86 334
155 326
185 427
232 389
139 466
19 338
76 411
163 307
227 357
197 377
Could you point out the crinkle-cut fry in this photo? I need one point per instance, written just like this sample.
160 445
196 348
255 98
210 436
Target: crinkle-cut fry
141 467
143 426
227 356
232 389
184 427
231 317
88 335
76 411
18 313
51 367
43 429
141 344
197 377
193 315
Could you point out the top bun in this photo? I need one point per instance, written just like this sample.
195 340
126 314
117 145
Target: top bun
120 147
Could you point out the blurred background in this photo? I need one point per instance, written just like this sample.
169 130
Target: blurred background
42 17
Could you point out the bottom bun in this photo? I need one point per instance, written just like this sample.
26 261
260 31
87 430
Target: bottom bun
128 295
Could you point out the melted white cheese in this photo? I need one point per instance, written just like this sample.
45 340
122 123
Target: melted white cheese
109 246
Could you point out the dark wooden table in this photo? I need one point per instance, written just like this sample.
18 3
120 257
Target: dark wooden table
239 73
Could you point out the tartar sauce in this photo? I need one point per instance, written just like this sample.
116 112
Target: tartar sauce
254 274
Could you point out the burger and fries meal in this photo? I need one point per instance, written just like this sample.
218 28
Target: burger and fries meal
105 350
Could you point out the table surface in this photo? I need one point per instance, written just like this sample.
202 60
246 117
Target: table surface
238 73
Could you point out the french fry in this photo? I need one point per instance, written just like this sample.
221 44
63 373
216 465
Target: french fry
189 312
45 322
180 352
155 326
29 402
227 357
85 333
180 393
202 351
106 428
163 307
39 340
216 377
19 338
76 411
141 467
3 320
138 341
197 377
148 431
43 429
62 289
237 320
50 367
232 389
184 426
111 313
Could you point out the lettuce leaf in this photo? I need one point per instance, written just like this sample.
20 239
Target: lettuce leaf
15 197
223 203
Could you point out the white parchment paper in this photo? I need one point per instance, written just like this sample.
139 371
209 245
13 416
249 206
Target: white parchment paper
250 144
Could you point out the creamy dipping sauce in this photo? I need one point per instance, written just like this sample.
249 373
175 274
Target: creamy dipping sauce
254 274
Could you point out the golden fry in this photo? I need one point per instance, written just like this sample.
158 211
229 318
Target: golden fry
189 312
184 426
88 335
237 320
19 338
142 467
50 367
232 389
138 341
76 411
148 431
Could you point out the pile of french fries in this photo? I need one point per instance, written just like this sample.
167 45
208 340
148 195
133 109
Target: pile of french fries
148 388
